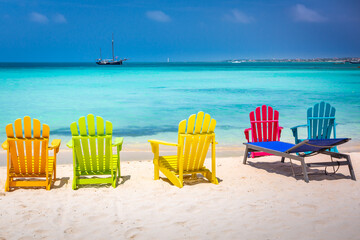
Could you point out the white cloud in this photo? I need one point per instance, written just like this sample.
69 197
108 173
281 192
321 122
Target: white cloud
158 16
59 18
239 17
39 18
304 14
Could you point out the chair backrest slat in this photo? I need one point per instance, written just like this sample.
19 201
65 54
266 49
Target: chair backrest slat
44 147
28 144
92 140
258 124
276 127
253 126
100 142
12 148
108 150
85 143
196 139
37 134
271 123
20 145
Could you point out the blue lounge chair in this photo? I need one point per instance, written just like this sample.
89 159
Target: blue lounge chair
320 123
303 149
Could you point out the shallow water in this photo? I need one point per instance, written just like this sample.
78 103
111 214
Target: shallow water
147 100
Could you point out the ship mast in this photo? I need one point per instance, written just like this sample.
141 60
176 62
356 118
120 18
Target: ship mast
113 46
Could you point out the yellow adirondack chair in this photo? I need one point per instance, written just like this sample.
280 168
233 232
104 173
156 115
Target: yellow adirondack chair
28 157
192 147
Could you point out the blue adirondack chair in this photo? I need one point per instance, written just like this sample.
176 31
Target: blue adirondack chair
320 123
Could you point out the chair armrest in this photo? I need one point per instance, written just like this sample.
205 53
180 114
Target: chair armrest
69 144
157 142
55 144
305 125
279 132
4 145
155 146
118 143
295 131
246 131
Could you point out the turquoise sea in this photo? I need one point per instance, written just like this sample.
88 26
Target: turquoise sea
147 100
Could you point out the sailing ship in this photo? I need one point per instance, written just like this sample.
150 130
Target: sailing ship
113 61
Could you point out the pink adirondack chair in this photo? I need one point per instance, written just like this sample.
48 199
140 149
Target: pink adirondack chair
264 127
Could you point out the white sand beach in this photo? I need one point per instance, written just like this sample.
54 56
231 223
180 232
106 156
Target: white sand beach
260 200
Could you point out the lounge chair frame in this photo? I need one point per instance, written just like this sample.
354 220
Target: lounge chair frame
301 156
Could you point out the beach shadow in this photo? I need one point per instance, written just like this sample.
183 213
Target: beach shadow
124 179
55 185
189 180
121 181
62 182
315 174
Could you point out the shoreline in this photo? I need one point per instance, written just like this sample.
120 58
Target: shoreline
142 152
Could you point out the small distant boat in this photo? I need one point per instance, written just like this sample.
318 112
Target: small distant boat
355 62
112 61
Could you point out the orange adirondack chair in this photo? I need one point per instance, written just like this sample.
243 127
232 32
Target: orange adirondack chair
28 160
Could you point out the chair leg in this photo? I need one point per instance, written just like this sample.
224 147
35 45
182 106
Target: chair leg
303 165
74 185
352 174
114 181
156 171
48 186
246 155
7 188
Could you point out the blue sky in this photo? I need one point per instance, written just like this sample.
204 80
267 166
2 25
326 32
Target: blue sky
183 30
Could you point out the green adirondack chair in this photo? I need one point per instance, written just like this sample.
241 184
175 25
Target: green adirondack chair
92 152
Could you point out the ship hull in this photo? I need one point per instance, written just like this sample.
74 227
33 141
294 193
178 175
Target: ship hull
109 63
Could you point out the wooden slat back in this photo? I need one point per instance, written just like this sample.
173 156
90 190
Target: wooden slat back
321 120
276 136
253 127
108 150
28 144
44 147
12 148
196 139
188 141
100 142
28 160
264 123
271 123
20 145
93 149
37 144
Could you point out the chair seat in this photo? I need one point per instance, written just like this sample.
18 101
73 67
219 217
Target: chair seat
171 163
98 172
12 172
